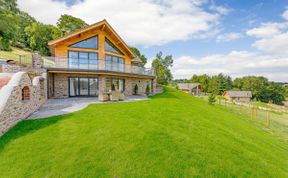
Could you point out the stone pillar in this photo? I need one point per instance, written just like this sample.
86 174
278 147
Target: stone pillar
37 61
101 83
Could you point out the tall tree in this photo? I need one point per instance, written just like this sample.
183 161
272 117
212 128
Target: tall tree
161 66
39 34
141 56
67 23
7 29
273 92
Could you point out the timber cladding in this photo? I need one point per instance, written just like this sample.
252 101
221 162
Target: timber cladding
60 48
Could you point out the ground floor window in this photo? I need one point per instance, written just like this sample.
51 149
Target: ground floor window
83 86
119 84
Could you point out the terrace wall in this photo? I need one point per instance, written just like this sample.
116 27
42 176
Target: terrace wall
60 83
20 98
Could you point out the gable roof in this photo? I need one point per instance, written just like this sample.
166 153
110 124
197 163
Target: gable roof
103 25
187 86
136 60
239 94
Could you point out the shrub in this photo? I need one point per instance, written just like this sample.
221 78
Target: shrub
135 89
113 87
212 98
147 89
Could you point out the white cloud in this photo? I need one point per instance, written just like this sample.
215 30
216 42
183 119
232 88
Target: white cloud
220 9
226 37
267 30
235 64
141 22
285 15
272 38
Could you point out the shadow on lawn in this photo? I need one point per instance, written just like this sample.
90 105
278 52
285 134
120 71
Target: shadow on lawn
27 127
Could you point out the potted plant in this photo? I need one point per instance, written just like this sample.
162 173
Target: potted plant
147 90
135 89
113 87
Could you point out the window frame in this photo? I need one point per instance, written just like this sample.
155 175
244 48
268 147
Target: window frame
70 46
110 62
78 94
78 59
113 46
111 82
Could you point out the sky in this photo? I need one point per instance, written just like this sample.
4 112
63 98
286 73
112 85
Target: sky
235 37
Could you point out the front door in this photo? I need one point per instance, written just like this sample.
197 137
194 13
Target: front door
83 86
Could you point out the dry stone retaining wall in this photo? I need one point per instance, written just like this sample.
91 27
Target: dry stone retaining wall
14 106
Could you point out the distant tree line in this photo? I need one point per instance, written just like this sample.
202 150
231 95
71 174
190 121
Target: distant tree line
262 89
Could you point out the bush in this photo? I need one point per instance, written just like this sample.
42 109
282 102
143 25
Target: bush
5 44
212 98
147 89
113 87
135 89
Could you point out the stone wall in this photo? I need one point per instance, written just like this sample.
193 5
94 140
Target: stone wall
60 83
13 106
35 67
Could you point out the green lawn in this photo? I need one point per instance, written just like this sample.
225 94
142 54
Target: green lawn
14 54
171 135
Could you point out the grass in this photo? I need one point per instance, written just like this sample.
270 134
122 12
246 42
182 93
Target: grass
14 54
261 104
171 135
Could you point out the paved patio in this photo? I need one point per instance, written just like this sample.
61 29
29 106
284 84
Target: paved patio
54 107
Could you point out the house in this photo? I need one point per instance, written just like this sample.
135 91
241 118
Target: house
92 60
285 103
238 96
193 88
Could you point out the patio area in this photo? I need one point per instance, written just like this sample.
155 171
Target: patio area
54 107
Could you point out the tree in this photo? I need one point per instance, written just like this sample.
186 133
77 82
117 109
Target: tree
212 98
272 94
141 56
254 84
39 34
213 85
161 66
67 23
7 29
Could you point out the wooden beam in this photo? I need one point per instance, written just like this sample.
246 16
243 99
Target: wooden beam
99 73
103 27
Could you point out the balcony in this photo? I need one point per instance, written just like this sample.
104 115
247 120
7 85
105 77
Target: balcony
58 63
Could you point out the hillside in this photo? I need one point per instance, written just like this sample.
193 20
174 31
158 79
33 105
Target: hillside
171 135
13 54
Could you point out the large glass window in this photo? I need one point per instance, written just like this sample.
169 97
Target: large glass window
83 60
119 84
109 46
114 63
90 43
83 86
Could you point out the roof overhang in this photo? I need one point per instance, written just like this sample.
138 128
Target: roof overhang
102 25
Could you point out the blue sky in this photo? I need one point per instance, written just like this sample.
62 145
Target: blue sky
236 37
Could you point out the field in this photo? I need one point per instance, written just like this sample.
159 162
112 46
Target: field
172 135
14 54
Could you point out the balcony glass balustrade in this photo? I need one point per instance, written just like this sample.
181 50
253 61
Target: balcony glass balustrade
94 65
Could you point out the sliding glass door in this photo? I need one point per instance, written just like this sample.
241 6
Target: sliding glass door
83 86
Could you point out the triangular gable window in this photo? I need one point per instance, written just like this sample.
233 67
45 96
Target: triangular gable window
90 43
109 46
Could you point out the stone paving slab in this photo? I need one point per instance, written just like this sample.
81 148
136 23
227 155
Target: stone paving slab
54 107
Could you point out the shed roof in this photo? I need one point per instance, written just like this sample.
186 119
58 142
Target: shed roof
188 86
239 94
